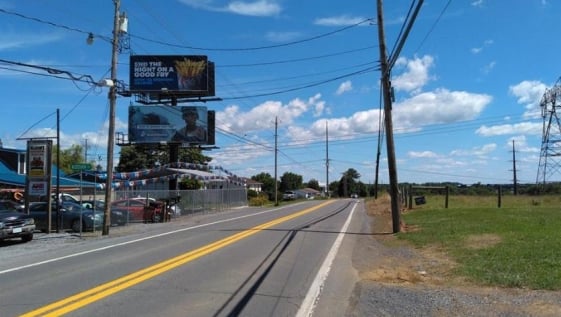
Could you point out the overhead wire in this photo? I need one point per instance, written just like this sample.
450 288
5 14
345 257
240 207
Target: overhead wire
61 26
256 47
369 69
433 26
298 59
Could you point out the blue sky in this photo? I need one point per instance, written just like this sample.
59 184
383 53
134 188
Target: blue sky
467 83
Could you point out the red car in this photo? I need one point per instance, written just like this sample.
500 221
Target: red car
139 210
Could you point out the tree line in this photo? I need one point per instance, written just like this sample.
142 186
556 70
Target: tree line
139 157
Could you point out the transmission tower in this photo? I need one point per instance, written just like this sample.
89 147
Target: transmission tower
550 154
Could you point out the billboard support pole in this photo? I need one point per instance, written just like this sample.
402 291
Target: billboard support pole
173 152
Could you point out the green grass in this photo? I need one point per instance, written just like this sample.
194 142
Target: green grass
527 253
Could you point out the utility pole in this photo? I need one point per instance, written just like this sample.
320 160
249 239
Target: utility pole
58 166
173 150
326 160
515 188
276 183
386 89
86 150
112 105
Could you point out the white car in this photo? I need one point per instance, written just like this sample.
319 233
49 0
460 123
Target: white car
289 195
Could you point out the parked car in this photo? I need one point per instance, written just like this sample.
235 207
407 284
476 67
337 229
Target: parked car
6 204
16 225
74 216
139 209
118 216
289 195
173 208
63 197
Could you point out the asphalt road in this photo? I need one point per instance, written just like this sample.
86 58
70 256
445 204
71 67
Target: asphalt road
288 261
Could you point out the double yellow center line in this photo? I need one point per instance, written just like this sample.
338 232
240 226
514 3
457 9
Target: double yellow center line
87 297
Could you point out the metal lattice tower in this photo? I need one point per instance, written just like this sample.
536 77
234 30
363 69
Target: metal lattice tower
550 154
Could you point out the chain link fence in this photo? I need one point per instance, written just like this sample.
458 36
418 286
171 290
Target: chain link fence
188 202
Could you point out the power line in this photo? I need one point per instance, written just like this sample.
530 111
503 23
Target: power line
434 25
54 72
363 71
298 59
108 39
54 24
257 47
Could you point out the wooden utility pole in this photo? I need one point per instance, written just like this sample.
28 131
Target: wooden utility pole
327 160
515 188
386 90
276 183
112 105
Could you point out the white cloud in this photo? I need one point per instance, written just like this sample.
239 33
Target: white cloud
477 3
529 94
483 150
531 128
256 8
521 145
344 87
439 107
416 74
319 105
477 50
20 40
282 36
262 117
341 20
489 67
423 154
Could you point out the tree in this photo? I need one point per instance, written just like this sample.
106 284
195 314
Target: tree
138 157
290 181
314 184
268 182
72 155
189 184
348 183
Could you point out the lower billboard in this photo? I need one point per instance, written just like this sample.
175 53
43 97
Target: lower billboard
170 124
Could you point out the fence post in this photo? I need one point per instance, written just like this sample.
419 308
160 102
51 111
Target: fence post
410 195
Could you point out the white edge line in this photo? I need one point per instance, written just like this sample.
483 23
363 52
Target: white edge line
133 241
309 302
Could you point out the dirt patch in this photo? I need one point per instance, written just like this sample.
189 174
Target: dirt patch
482 241
397 261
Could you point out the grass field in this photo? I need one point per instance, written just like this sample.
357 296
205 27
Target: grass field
517 245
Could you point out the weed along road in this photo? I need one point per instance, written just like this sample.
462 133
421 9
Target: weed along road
291 260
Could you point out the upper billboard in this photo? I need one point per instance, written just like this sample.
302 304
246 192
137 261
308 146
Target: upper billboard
178 75
166 124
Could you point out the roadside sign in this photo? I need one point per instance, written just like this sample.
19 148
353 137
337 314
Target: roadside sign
81 166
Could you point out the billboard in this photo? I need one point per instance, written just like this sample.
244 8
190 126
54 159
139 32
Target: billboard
177 75
170 124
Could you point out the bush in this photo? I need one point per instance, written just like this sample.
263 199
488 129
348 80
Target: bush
251 194
259 200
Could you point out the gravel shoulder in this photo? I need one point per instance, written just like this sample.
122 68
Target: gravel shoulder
395 279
